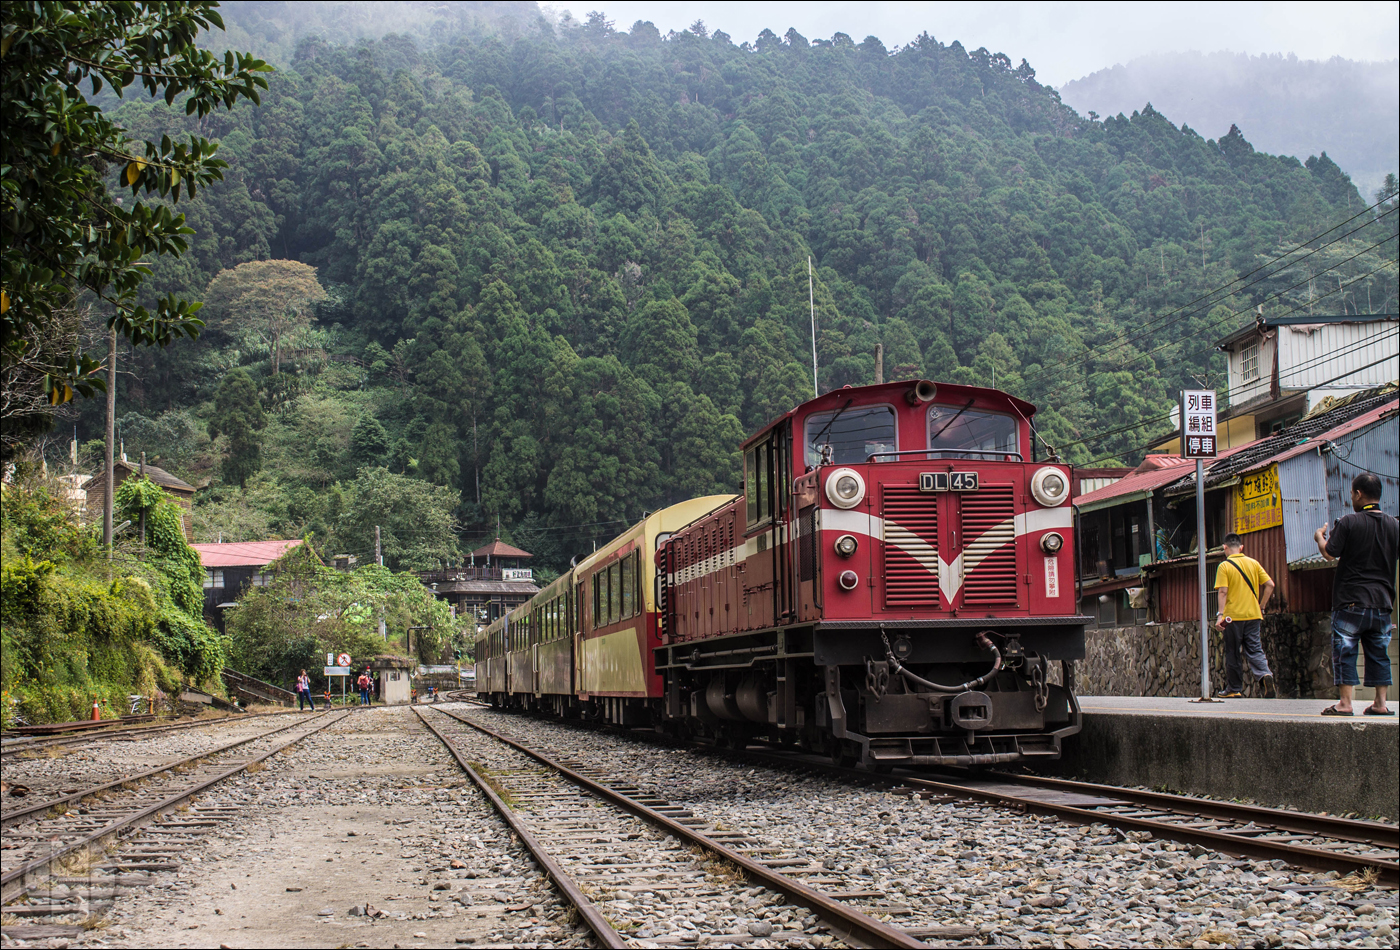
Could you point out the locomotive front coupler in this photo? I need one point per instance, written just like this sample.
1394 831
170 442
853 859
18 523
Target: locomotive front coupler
983 641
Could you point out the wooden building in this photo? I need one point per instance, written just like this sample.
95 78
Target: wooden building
231 568
181 491
490 585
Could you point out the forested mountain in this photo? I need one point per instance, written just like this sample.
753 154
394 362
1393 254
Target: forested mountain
564 268
1285 105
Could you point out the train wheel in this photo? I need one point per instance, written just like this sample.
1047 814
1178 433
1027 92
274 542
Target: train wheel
844 753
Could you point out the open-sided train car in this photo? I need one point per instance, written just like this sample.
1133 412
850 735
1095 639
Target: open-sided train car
891 587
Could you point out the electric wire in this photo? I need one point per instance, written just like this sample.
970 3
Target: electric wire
1155 323
1166 435
1293 371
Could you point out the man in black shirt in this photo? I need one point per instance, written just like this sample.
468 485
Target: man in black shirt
1365 544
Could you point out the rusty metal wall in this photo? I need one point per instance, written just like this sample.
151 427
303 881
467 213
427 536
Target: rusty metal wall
1298 591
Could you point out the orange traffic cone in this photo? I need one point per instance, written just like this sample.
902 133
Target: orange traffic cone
96 711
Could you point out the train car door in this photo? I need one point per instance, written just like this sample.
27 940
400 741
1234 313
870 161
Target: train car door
759 577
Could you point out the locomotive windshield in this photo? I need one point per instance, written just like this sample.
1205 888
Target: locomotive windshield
854 433
954 430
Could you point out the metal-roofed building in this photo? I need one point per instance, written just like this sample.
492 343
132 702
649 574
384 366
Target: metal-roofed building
1282 369
1274 492
232 567
491 584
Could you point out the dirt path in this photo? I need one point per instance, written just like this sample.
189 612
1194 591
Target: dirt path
370 812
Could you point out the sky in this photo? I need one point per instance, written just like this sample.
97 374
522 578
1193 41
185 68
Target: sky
1062 41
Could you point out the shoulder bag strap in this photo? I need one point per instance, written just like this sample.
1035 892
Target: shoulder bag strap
1248 582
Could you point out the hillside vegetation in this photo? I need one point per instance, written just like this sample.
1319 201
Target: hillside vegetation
1288 106
565 270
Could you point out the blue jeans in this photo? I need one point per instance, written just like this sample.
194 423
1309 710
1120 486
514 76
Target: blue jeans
304 695
1367 627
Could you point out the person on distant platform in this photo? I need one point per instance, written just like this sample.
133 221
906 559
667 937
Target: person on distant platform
364 683
1243 588
304 692
1365 544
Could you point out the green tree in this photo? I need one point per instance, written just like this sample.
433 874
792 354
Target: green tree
417 521
271 301
66 232
238 414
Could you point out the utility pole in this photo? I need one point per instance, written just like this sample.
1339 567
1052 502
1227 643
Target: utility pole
812 306
108 459
879 363
378 553
143 510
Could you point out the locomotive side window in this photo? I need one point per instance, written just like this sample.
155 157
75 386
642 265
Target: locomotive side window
758 468
954 430
854 434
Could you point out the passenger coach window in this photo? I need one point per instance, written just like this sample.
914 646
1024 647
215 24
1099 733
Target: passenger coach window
629 586
854 434
953 430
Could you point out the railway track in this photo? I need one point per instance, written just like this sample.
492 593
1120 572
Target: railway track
1315 842
67 855
616 852
20 745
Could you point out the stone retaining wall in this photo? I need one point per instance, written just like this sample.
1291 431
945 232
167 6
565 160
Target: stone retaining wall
1165 659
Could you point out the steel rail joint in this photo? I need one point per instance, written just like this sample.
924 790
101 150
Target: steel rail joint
847 923
21 880
587 910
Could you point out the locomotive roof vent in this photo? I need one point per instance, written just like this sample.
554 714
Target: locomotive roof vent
921 392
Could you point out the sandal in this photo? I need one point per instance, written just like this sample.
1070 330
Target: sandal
1334 711
1373 711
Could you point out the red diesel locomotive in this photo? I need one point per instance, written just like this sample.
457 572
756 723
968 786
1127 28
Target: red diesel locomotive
890 588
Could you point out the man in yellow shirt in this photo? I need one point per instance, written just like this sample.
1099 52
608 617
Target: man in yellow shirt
1243 589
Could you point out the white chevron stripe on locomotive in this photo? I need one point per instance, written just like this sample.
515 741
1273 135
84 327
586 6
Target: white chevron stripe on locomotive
950 574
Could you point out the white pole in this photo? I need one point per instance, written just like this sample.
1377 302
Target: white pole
812 304
1201 576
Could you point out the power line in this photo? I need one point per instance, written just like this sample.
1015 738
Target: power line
1172 315
1280 293
1293 371
1165 435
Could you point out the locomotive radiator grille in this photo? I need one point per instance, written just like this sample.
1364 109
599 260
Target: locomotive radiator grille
989 550
911 547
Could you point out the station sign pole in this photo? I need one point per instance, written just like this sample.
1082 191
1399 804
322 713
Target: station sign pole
1198 441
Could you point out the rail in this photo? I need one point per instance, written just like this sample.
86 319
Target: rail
846 922
94 843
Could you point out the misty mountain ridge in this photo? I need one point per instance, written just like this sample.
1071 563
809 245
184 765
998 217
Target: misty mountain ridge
1283 105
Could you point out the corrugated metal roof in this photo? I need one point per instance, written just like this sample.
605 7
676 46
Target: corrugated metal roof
1154 472
242 553
1309 433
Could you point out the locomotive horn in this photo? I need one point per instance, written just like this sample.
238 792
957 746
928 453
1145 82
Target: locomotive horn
921 392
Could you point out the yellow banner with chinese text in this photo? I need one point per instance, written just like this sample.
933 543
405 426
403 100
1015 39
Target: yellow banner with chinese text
1258 502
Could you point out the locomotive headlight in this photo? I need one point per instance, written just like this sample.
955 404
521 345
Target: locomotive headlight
846 545
1052 542
845 488
848 580
1050 487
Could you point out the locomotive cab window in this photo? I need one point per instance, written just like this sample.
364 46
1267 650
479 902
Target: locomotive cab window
854 433
758 470
957 430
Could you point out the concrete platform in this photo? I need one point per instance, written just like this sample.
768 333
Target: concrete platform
1278 752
